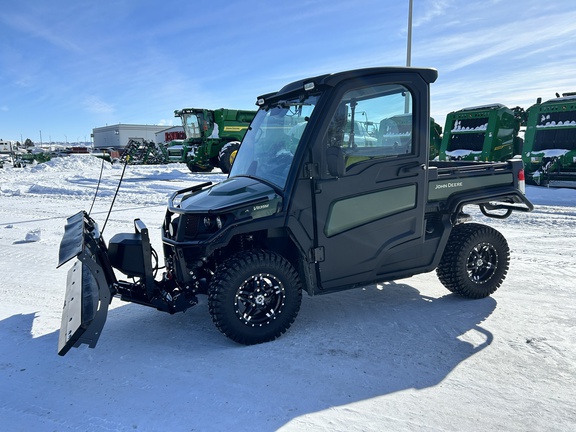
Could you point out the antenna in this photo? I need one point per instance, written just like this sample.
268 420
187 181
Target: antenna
115 195
97 186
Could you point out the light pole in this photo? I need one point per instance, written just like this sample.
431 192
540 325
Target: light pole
409 44
408 54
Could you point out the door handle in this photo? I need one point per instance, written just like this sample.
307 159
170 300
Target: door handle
411 169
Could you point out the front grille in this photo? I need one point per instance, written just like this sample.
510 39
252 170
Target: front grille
191 226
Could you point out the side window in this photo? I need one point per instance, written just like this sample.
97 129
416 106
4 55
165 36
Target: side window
372 122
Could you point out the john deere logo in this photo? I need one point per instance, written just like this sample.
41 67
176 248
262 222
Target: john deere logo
448 185
234 128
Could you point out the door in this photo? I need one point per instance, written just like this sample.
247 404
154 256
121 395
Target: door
370 213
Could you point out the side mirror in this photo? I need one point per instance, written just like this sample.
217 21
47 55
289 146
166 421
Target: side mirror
335 161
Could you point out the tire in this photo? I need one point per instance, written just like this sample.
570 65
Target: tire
194 167
475 261
254 297
227 155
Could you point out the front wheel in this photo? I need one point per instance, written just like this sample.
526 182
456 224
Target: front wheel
226 156
254 297
475 261
196 167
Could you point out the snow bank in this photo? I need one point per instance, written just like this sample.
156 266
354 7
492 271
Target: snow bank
73 163
551 196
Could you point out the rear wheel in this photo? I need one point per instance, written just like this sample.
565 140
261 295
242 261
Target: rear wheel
475 261
227 155
254 297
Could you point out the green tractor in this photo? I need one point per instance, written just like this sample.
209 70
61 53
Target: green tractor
484 133
212 138
550 142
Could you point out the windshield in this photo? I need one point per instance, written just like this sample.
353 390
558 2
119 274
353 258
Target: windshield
191 125
272 139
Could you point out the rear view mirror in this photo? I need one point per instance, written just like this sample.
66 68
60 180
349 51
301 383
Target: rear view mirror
335 161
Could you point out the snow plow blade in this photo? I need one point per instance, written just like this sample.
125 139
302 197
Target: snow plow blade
89 286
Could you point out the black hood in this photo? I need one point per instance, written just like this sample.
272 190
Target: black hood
234 192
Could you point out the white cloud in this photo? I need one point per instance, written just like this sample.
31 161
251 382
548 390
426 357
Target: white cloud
27 24
96 105
515 39
431 10
519 87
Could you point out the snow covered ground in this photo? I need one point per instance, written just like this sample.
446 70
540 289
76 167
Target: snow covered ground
403 356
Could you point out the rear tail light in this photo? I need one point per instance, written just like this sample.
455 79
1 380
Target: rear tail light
521 181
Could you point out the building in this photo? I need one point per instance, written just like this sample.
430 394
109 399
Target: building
6 146
170 134
117 136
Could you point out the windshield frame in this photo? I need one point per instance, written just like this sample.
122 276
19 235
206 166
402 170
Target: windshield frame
192 131
273 139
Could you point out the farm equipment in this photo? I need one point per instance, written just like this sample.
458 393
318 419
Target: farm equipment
483 133
306 208
396 129
142 152
212 138
20 159
550 142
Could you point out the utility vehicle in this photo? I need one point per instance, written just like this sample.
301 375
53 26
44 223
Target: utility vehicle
306 207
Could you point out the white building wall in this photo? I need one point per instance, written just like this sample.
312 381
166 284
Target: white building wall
117 136
5 146
161 136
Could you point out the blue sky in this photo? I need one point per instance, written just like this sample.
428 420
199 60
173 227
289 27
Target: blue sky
67 67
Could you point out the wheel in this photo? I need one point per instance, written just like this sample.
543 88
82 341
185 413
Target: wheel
254 297
227 155
475 261
194 167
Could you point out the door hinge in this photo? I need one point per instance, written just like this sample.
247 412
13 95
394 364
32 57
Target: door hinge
310 170
317 254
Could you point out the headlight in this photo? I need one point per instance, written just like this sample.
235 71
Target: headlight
173 228
189 227
212 223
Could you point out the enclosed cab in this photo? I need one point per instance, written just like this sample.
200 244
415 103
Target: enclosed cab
212 137
550 142
484 133
315 202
